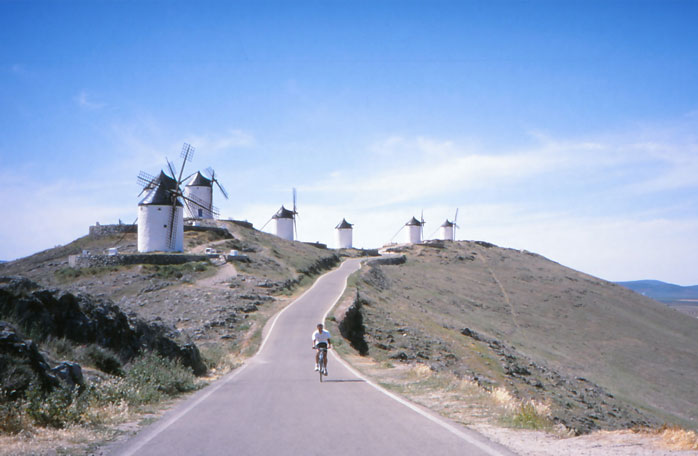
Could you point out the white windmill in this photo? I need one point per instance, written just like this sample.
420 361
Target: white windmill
448 229
344 234
200 189
160 213
414 230
285 222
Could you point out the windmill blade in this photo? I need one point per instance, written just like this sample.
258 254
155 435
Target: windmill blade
171 167
187 152
171 234
395 235
421 227
220 187
188 177
455 219
431 236
215 212
294 201
263 226
187 155
146 180
194 201
295 229
210 172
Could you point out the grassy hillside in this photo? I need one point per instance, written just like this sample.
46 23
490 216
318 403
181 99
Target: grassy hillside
527 318
207 302
220 306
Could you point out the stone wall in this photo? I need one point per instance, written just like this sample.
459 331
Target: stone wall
80 261
108 230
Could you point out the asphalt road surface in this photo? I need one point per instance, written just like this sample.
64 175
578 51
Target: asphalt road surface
276 405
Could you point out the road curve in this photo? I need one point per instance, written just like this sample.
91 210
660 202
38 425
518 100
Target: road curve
275 404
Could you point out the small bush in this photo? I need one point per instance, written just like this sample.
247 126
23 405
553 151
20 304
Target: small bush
12 418
152 375
65 274
59 347
527 416
103 359
58 408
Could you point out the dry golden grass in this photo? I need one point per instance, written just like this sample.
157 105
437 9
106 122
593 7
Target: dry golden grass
39 441
677 438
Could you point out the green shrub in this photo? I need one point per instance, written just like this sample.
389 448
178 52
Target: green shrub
68 273
59 347
12 418
177 271
527 417
151 377
103 359
58 408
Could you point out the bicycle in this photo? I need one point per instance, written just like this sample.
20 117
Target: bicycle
322 361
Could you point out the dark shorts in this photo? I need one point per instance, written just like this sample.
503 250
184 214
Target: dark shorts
321 345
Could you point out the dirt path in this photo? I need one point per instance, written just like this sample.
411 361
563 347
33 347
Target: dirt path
223 275
515 321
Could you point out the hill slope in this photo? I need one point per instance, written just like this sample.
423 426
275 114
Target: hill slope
510 318
205 301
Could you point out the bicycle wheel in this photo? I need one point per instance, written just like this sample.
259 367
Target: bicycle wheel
321 360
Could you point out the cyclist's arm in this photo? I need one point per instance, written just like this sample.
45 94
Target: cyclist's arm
329 343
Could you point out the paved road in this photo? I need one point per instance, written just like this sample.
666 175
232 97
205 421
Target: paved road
275 404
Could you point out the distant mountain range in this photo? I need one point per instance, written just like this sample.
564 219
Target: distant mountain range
664 292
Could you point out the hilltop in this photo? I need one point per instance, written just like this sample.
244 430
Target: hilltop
206 301
596 354
133 335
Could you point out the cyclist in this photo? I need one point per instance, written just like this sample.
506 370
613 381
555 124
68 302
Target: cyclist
321 339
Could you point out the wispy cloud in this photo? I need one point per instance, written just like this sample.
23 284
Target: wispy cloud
231 139
86 101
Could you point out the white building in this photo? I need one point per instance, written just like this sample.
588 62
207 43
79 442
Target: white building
160 223
414 231
283 223
448 232
200 190
344 234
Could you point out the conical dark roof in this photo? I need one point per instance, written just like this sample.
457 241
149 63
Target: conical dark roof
344 225
448 223
283 213
414 222
163 179
198 180
160 191
159 196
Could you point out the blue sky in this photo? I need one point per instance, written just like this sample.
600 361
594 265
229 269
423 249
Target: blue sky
565 128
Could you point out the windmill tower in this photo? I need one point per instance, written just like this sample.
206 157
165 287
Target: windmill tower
448 229
200 189
285 222
344 234
414 230
161 212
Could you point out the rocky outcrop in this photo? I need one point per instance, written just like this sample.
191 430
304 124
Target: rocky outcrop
86 319
21 363
577 403
388 261
351 326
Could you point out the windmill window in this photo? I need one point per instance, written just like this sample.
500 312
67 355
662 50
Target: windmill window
159 208
201 213
164 226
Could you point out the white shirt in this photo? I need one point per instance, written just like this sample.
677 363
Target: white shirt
318 336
